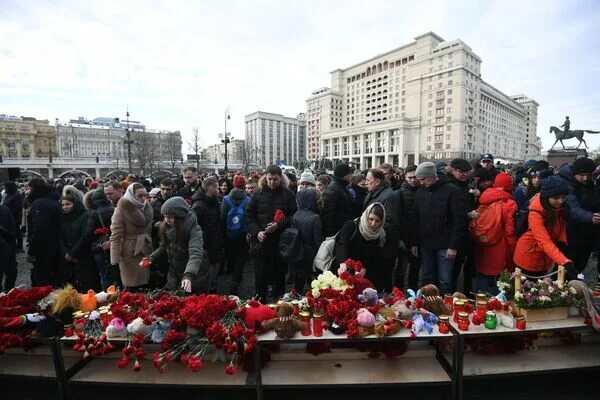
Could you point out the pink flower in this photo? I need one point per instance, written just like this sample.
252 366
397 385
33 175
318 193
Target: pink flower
117 323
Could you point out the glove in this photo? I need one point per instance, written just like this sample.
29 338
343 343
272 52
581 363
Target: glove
186 285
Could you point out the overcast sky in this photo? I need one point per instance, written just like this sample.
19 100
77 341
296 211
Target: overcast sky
180 64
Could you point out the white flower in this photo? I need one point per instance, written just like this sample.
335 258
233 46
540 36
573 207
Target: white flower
314 284
519 296
316 293
545 299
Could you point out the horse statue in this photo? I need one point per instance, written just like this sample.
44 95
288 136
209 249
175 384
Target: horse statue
560 136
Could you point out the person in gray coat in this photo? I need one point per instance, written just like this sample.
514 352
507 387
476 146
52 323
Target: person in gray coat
310 231
181 240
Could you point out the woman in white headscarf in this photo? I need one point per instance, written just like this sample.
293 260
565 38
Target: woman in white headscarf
363 240
130 241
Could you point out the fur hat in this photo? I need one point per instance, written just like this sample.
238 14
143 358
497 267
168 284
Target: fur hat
426 170
341 170
175 206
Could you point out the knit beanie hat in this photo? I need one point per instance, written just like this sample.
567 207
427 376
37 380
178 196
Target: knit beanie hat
426 170
154 192
341 170
308 178
583 165
554 186
483 174
503 181
239 182
175 206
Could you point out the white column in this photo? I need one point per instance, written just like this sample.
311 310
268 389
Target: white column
400 138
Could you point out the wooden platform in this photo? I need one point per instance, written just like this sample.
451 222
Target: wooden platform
572 323
329 372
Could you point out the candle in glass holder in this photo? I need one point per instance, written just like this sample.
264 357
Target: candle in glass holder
463 321
521 323
318 324
296 305
481 297
459 306
491 321
305 317
444 324
449 301
481 308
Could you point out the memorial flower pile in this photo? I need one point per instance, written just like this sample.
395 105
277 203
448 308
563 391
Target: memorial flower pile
543 293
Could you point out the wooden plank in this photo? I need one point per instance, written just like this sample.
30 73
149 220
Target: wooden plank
353 372
297 352
211 374
526 361
27 365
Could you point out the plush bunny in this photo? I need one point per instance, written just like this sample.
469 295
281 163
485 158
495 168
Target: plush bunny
285 324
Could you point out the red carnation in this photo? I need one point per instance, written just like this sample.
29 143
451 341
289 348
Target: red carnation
279 216
231 369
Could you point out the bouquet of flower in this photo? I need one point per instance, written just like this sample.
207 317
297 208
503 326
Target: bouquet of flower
327 280
279 216
543 293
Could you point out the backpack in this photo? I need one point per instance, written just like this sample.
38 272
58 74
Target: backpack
521 222
326 253
236 218
290 245
488 229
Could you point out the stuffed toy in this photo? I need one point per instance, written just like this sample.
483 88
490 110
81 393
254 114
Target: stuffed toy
68 300
138 326
388 328
365 318
368 297
284 325
430 320
160 331
254 313
402 311
433 300
418 323
116 329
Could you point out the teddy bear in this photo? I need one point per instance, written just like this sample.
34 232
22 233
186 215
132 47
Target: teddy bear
433 301
368 297
285 324
254 313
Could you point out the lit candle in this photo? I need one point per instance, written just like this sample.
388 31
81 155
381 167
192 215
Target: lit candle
561 276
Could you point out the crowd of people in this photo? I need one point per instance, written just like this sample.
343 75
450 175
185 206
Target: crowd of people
456 225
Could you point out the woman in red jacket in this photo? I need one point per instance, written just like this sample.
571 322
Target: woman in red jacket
538 248
491 260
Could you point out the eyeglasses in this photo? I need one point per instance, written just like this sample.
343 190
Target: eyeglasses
486 161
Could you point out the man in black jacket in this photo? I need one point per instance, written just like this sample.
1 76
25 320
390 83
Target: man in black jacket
584 215
407 194
441 222
272 195
14 202
205 204
8 240
43 230
460 170
192 184
337 203
162 262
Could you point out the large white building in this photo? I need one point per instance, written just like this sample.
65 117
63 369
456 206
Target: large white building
235 152
273 138
533 143
106 138
424 100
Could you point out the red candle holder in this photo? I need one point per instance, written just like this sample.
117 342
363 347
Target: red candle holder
449 301
318 325
305 317
481 308
145 263
463 321
459 307
444 324
521 323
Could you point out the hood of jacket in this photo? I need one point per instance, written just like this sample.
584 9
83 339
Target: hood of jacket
307 199
237 195
493 195
262 183
78 210
95 199
201 196
566 173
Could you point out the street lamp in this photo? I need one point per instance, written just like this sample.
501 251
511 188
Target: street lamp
226 138
128 142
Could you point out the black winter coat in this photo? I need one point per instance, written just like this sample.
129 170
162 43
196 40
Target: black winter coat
261 210
351 244
208 214
100 212
337 207
464 187
14 202
188 192
408 207
44 227
308 222
441 217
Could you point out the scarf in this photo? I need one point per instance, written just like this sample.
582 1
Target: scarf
365 230
129 195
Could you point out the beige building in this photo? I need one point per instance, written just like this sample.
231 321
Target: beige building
235 152
26 137
424 100
273 138
533 143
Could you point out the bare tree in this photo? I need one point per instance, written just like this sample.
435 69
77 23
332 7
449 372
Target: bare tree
194 146
146 151
249 156
172 149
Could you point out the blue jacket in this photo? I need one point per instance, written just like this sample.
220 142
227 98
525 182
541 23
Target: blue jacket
580 229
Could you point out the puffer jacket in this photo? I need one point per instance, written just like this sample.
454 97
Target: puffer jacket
44 227
208 214
537 248
581 232
100 212
408 211
185 262
337 206
441 217
494 259
261 210
308 222
73 240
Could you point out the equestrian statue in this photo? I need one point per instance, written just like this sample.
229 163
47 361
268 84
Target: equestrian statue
569 134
